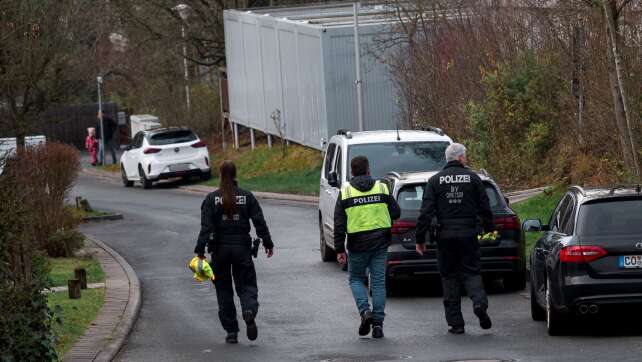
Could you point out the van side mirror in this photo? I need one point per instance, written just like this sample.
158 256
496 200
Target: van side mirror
333 179
534 225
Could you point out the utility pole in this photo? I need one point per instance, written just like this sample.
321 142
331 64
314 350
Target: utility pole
99 80
357 57
182 12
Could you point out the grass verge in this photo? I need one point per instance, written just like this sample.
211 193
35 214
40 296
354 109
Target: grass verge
109 168
266 169
62 269
538 207
74 315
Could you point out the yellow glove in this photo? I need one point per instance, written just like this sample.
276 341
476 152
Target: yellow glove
488 236
202 269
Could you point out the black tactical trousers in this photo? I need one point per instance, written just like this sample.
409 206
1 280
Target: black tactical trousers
234 263
459 264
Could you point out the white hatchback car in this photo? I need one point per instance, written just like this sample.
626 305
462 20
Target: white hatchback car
164 153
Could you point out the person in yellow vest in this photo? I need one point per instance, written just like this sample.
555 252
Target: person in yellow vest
365 211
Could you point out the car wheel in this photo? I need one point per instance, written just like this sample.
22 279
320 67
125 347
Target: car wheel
554 318
126 181
515 282
327 253
537 312
147 184
206 175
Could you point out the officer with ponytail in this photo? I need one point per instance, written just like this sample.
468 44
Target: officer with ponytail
225 229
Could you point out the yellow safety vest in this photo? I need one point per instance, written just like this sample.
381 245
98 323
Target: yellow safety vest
366 210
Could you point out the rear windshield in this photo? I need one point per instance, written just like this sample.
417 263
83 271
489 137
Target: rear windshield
169 137
410 197
401 156
622 217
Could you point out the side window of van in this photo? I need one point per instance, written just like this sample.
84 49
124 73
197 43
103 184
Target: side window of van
329 155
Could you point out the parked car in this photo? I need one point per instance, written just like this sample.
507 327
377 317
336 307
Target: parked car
589 257
164 153
387 151
503 257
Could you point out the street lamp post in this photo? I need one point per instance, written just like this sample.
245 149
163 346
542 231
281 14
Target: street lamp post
182 12
99 80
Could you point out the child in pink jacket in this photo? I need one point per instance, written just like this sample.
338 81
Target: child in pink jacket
91 144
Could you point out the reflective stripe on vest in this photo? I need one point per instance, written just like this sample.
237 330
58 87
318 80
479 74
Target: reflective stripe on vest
366 210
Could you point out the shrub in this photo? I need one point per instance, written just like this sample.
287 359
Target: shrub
25 319
48 173
64 243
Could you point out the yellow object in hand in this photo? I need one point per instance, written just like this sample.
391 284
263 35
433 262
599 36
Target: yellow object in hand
202 269
488 236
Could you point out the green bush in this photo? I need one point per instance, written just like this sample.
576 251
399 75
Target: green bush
512 125
64 242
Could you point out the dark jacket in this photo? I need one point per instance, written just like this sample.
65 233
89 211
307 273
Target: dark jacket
457 197
234 232
366 240
110 128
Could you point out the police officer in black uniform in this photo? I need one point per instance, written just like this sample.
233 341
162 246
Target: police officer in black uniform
454 210
225 229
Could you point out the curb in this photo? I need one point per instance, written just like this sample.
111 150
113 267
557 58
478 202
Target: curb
109 217
130 315
108 332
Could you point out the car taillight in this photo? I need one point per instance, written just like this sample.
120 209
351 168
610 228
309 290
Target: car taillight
199 144
581 254
507 223
151 150
402 227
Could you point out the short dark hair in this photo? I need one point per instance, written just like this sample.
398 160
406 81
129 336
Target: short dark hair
359 166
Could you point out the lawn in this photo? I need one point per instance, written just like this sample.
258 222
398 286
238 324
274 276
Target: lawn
538 207
62 269
265 169
75 315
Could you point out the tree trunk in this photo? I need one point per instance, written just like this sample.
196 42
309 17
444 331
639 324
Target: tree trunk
618 87
81 275
73 285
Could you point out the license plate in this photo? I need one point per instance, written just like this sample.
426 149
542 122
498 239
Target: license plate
179 167
630 261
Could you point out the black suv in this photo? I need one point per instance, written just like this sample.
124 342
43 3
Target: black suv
589 257
501 258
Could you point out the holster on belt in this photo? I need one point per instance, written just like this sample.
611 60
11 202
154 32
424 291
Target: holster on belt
434 229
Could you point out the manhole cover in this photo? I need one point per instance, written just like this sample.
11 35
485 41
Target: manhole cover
377 358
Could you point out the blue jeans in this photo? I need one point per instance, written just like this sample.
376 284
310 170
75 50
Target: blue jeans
375 262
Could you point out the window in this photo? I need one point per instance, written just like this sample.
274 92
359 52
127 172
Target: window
556 218
401 156
609 218
138 140
567 220
410 197
337 166
329 155
171 137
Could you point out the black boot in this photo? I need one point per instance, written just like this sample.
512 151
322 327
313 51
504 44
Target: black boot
366 321
484 319
252 330
232 338
377 330
456 329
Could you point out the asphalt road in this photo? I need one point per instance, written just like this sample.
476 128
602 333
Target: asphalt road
307 312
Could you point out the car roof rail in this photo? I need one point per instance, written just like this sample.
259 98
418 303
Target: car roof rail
344 132
624 186
395 174
436 130
579 189
485 173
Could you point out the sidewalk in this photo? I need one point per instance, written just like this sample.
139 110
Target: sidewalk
107 333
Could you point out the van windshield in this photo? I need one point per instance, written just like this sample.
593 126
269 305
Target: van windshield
401 156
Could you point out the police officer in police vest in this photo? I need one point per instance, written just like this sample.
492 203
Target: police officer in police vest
365 210
225 229
454 210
